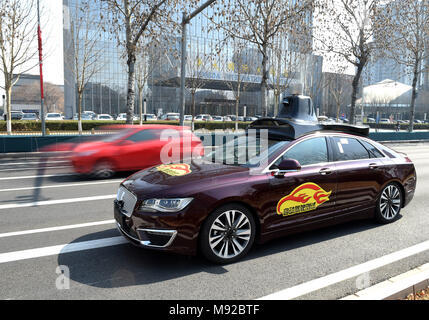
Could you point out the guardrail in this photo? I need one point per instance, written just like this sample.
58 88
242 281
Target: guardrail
13 144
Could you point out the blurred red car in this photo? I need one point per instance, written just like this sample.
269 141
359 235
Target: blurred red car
134 148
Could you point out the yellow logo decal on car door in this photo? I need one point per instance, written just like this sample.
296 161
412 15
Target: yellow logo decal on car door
306 197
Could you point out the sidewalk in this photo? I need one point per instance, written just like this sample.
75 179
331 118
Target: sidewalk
398 287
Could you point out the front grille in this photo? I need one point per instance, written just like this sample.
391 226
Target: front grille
127 201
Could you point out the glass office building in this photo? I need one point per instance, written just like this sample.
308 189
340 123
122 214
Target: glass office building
212 71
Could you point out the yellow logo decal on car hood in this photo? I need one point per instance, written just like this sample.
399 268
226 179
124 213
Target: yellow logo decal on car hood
180 169
306 197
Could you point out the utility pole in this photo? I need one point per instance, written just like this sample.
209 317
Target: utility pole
185 21
42 97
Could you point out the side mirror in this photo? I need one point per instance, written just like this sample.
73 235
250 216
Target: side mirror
287 165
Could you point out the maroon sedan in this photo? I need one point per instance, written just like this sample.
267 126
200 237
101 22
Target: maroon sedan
220 206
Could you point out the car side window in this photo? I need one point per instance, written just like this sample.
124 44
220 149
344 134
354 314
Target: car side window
144 135
373 151
348 149
307 152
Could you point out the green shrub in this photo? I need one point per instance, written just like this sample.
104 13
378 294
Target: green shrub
88 125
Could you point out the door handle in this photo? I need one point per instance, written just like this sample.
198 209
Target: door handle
325 171
373 166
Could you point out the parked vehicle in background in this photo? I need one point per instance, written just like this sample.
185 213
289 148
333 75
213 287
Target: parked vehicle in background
232 117
203 117
218 118
226 119
15 115
104 117
188 117
250 119
241 119
54 116
83 116
417 121
131 149
171 116
384 120
30 117
149 117
370 120
122 117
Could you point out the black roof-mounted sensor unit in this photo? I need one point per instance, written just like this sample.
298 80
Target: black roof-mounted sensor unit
286 129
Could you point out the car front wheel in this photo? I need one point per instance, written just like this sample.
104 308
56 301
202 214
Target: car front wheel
228 234
389 203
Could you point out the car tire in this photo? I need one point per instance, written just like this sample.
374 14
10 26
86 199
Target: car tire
389 203
103 169
228 234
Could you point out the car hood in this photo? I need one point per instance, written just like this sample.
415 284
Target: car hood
183 179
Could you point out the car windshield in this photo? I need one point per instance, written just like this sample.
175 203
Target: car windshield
246 150
54 115
118 135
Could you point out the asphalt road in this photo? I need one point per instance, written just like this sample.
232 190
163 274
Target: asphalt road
50 217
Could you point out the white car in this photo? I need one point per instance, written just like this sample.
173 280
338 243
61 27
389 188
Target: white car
54 116
384 120
122 116
203 117
104 117
187 117
218 118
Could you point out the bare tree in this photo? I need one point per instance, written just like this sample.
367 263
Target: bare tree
408 21
338 87
260 21
85 50
17 48
198 63
347 30
240 71
130 20
147 57
285 66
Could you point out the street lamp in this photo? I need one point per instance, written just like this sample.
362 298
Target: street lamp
185 20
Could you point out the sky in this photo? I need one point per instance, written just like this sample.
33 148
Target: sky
52 37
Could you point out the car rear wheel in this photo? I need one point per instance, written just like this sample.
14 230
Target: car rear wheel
103 169
389 203
228 234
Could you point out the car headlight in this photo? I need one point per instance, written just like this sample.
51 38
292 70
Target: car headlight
165 205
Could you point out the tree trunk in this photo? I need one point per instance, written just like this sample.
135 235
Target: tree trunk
237 102
193 109
141 105
413 97
9 108
264 82
131 94
355 86
79 113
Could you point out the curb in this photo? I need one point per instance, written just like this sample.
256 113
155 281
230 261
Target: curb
25 155
397 287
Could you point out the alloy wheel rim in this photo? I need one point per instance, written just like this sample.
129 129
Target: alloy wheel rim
230 234
390 202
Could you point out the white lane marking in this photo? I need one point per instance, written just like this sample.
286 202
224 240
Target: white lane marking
63 185
37 176
323 282
32 162
51 202
61 249
72 226
27 169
